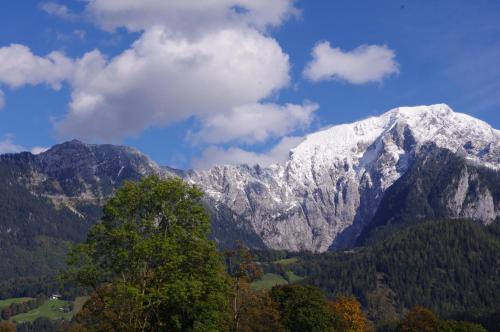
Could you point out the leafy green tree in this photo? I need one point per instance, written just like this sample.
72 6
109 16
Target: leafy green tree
150 263
303 308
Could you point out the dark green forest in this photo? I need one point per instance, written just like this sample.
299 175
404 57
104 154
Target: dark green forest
34 238
451 267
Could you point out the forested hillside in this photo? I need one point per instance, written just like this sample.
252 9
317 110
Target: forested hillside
34 236
448 266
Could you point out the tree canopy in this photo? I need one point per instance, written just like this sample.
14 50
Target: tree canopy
150 263
303 308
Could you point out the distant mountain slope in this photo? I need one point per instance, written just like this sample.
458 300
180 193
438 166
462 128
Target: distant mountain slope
439 185
50 200
33 233
449 266
75 171
331 185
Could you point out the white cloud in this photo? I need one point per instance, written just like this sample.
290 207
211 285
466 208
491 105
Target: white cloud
18 66
189 16
234 156
2 99
8 146
164 78
58 10
212 60
254 123
38 149
365 64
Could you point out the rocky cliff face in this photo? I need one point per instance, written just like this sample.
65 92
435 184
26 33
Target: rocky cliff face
323 196
79 176
331 185
439 185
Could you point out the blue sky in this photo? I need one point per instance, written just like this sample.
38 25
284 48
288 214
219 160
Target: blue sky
189 85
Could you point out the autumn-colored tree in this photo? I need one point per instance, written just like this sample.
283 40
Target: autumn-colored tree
99 314
7 327
348 315
258 311
420 319
241 266
76 327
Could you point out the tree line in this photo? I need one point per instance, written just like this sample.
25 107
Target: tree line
451 267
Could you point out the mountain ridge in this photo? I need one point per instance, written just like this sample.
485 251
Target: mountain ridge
334 180
322 197
439 185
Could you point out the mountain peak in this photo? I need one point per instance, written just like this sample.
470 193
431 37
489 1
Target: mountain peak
434 123
441 109
75 142
68 145
333 181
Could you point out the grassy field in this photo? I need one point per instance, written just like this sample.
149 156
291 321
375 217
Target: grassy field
293 277
268 280
7 302
52 309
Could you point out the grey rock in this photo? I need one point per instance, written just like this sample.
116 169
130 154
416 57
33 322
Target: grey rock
332 183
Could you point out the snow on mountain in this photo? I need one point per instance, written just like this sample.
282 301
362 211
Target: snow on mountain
323 196
333 181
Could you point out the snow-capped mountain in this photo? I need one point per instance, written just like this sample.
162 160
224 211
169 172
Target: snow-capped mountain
332 183
324 195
